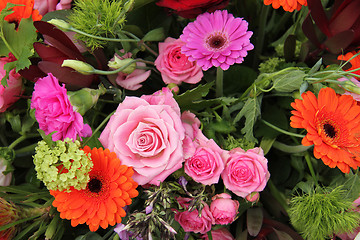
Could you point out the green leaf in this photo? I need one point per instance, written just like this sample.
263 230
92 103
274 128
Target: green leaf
251 112
290 81
155 35
189 99
316 67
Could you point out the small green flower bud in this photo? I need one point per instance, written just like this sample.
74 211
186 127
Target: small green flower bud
60 24
350 86
119 63
79 66
84 99
62 165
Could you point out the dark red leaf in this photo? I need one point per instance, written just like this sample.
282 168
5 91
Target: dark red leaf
340 41
346 18
49 53
309 31
318 14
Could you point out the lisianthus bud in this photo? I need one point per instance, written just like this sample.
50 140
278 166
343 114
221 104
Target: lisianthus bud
117 63
60 24
79 66
7 155
349 85
8 215
63 165
85 98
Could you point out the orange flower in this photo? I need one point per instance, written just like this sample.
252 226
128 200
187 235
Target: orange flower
21 12
109 190
288 5
355 62
332 123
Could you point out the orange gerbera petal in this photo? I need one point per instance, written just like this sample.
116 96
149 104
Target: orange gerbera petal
332 123
101 204
21 12
288 5
355 62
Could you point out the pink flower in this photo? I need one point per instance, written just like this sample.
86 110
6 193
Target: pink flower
245 172
147 137
223 208
130 81
352 235
54 112
163 97
12 92
190 221
174 66
45 6
219 234
356 82
206 165
216 39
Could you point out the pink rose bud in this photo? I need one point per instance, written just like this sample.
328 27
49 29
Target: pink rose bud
253 197
224 209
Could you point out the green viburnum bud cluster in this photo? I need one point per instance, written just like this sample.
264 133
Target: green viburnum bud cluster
62 165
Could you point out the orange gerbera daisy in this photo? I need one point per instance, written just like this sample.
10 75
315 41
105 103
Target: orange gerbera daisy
332 123
21 12
109 190
288 5
355 62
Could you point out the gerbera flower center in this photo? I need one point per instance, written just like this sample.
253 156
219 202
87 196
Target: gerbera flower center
216 41
94 185
330 130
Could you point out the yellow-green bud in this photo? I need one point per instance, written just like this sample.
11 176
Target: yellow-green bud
79 66
350 86
119 63
60 24
84 99
128 6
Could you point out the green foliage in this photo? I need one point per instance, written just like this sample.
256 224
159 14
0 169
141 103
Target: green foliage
18 41
232 143
320 213
101 18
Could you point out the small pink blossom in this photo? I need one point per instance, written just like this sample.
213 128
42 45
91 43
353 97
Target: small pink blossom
223 208
190 221
356 82
11 93
45 6
130 81
174 66
245 172
146 133
54 112
352 235
219 234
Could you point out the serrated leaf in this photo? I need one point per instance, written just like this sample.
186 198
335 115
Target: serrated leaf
289 82
188 99
251 112
155 35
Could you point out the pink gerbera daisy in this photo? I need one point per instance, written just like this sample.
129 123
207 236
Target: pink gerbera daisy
216 39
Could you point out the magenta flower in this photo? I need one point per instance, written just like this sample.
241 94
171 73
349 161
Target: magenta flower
216 39
54 112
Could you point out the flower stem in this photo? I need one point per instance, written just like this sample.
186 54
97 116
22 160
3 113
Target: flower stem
312 172
102 38
22 138
219 82
281 130
290 149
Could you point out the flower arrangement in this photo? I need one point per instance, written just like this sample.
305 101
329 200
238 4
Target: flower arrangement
174 119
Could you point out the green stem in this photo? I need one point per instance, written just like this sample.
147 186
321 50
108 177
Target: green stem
290 149
101 72
312 172
277 195
261 33
219 82
282 130
22 138
28 149
102 38
99 127
16 55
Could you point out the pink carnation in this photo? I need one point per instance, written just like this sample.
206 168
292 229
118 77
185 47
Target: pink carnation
54 112
216 39
245 172
12 92
130 81
223 208
190 221
174 66
146 133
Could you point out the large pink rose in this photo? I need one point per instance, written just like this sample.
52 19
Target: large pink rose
130 81
12 92
54 112
190 221
45 6
175 66
223 208
147 137
219 234
245 172
206 165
